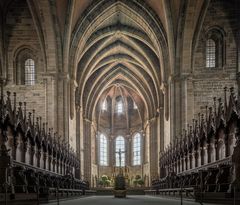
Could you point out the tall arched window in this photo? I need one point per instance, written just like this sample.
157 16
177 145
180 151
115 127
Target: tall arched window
135 106
120 150
119 107
29 72
210 53
104 105
103 151
137 149
215 47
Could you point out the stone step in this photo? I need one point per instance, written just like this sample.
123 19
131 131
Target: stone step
129 192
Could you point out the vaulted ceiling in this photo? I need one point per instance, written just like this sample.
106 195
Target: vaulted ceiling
119 45
129 120
56 20
140 44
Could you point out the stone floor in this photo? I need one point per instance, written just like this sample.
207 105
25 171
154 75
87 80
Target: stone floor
130 200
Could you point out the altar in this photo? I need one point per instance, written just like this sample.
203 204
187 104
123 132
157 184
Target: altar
124 171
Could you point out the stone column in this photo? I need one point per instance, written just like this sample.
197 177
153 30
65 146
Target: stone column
144 147
87 150
111 153
176 124
81 142
128 150
181 105
153 148
78 141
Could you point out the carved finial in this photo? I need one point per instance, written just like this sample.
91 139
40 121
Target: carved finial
193 124
8 94
202 117
206 112
43 130
8 101
215 106
37 122
232 93
2 91
54 136
210 110
25 110
196 124
40 123
185 133
49 135
29 121
33 112
199 117
14 102
46 126
225 96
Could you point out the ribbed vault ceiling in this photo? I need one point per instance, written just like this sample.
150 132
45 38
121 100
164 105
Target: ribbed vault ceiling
119 45
128 97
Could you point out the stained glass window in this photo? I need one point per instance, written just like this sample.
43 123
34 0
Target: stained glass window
103 150
137 149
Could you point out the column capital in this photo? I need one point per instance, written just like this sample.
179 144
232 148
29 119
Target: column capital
179 77
57 76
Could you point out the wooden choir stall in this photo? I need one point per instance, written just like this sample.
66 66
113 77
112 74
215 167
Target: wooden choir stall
204 162
35 163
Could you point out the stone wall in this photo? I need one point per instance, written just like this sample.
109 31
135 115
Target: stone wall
209 82
21 34
34 96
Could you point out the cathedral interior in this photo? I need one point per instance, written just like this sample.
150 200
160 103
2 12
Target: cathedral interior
145 88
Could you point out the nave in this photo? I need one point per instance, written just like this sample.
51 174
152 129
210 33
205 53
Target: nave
130 200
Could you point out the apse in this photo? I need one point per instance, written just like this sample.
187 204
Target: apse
119 118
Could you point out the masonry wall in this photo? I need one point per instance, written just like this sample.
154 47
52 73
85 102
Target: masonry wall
209 82
21 35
